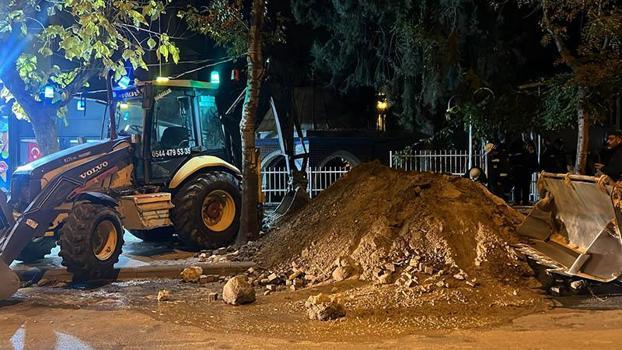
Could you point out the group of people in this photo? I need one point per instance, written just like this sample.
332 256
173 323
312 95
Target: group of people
510 168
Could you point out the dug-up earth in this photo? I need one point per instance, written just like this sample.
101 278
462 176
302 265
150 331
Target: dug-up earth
433 249
405 254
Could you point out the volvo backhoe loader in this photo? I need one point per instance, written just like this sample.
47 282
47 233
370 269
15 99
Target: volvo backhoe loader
574 230
167 168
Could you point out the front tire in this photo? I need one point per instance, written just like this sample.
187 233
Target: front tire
207 210
91 241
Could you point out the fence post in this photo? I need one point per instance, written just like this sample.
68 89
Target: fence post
390 159
309 181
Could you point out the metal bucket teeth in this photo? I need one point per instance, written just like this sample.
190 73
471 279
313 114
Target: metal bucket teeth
538 257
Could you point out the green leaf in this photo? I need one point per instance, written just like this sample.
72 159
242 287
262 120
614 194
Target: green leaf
163 50
151 43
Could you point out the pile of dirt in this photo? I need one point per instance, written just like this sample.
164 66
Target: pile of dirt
415 235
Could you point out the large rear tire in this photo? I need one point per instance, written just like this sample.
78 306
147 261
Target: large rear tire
37 249
207 210
162 234
91 241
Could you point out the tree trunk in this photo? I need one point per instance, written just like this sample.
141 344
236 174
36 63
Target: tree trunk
44 127
42 116
583 132
249 226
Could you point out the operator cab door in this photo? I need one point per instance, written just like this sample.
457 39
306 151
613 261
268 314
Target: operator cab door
173 133
185 124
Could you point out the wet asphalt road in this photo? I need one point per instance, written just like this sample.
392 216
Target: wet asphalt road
135 253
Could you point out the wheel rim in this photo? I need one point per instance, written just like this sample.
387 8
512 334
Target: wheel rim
218 210
105 240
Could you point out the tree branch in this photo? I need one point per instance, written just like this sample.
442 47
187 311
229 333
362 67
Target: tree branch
565 54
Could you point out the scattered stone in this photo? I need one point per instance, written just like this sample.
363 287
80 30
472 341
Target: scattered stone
295 275
250 271
212 296
323 308
473 283
164 295
264 281
267 292
342 272
271 287
203 257
407 280
273 277
192 274
346 261
310 278
238 291
220 251
389 267
460 276
385 278
298 282
428 270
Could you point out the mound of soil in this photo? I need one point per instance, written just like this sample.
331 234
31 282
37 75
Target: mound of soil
416 235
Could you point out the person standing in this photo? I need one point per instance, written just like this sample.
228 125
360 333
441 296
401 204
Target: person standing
611 162
497 169
524 162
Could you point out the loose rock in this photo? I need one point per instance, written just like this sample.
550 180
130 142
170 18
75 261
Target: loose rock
164 295
323 308
191 274
342 272
238 291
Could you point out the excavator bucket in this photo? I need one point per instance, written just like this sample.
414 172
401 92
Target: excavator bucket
9 282
574 229
293 200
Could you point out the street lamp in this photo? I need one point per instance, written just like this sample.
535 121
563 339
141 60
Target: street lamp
382 105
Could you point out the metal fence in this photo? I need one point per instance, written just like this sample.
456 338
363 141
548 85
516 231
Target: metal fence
455 162
274 181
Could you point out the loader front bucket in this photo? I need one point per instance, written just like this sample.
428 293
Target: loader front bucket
574 229
293 200
9 282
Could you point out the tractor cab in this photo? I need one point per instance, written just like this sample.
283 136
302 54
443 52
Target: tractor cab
172 121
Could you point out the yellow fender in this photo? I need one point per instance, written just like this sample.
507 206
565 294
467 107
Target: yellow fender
196 164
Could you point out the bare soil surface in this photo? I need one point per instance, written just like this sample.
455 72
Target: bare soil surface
127 316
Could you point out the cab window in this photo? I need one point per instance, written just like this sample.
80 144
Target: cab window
173 131
212 133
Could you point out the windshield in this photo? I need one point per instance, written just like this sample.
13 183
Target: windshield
130 116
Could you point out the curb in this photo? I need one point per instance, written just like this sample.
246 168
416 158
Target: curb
60 274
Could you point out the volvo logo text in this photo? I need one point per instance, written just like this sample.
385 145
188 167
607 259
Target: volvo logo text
96 169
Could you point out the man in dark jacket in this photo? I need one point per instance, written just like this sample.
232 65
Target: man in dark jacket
612 166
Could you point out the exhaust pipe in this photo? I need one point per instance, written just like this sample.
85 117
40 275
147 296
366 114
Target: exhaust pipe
9 281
